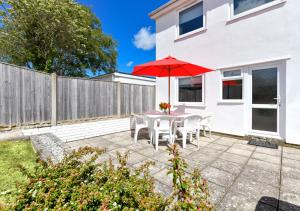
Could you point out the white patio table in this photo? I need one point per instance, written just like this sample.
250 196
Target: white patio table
152 115
176 115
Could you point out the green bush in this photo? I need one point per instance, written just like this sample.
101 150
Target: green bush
81 183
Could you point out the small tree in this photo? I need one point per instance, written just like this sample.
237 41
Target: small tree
190 193
54 36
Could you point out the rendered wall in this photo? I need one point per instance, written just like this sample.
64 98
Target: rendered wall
267 35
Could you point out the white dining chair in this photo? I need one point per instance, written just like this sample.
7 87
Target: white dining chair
163 125
206 124
191 125
150 122
180 109
140 122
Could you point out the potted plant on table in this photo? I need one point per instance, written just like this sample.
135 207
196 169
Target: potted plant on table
164 107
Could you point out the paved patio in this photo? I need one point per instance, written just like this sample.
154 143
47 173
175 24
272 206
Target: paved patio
240 176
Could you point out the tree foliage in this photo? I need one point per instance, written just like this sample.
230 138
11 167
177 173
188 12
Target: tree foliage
59 36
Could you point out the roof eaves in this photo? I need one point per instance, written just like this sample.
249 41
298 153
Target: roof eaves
169 6
123 74
155 12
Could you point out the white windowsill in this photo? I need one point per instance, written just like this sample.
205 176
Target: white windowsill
245 14
191 34
189 104
230 102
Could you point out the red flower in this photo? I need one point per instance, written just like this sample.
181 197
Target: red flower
164 106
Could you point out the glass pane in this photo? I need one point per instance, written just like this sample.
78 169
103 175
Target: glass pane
233 89
191 18
264 86
244 5
264 119
190 89
232 73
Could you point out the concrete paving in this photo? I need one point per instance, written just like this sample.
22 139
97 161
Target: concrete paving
240 176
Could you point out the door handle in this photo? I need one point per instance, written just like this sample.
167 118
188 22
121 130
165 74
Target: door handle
278 100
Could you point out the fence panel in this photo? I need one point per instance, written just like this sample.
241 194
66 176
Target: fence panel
25 96
137 99
83 99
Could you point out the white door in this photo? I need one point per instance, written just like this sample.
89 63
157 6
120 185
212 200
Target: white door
265 106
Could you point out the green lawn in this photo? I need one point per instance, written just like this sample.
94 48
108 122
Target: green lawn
13 153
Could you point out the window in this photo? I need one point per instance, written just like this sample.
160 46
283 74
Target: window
240 6
191 19
232 85
190 89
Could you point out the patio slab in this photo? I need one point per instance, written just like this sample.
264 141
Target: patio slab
234 158
231 167
289 201
240 176
218 177
262 165
238 202
269 178
253 189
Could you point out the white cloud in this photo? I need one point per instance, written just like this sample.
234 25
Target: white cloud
129 63
243 5
144 39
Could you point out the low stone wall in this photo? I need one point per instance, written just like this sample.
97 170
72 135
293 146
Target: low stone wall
49 147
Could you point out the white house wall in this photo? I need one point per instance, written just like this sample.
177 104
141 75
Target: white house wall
271 34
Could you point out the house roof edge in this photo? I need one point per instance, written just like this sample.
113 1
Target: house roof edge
167 7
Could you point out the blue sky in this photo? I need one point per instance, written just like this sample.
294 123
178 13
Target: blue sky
128 23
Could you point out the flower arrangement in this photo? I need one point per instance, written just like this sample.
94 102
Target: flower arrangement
164 106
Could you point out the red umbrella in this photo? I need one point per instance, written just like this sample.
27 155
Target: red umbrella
168 67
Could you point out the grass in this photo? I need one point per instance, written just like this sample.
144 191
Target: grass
12 154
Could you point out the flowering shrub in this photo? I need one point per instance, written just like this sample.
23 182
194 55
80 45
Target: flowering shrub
80 183
164 106
190 193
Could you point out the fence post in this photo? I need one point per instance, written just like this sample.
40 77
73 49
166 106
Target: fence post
53 99
119 98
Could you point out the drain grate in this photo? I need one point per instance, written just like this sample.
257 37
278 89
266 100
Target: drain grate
261 143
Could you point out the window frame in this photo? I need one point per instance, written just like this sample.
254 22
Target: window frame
230 78
201 104
233 17
202 29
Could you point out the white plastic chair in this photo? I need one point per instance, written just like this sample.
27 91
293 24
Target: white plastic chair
140 123
163 125
150 122
206 124
191 125
180 109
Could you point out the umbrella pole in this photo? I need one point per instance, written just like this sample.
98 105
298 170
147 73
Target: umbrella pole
169 92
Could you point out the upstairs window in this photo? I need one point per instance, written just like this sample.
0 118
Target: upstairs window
191 19
232 85
241 6
190 89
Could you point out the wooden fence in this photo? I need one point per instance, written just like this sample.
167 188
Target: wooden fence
30 97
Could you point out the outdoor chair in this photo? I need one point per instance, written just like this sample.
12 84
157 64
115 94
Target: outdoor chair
206 124
191 125
163 125
140 123
180 109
